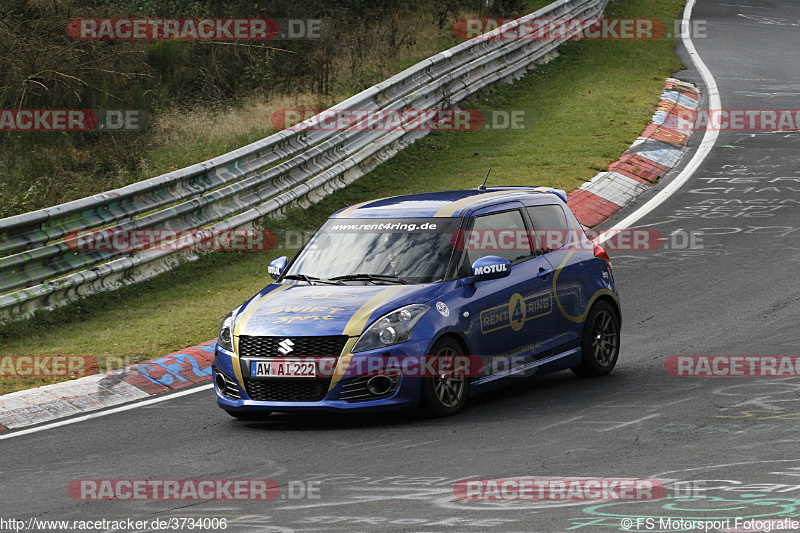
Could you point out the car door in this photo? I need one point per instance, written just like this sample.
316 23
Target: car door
554 241
511 314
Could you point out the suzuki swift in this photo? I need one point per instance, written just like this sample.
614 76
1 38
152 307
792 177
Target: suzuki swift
422 301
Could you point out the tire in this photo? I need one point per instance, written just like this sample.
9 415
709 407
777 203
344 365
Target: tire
249 415
441 395
599 341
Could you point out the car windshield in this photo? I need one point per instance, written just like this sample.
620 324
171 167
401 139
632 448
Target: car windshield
379 251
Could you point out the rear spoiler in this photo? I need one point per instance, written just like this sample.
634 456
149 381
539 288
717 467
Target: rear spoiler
558 192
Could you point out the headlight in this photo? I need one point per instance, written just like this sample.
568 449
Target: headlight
225 337
392 328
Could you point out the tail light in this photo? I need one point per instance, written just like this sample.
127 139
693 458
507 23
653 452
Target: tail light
599 252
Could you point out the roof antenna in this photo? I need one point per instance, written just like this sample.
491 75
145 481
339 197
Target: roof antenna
483 187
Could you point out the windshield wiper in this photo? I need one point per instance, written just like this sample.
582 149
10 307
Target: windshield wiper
311 279
369 277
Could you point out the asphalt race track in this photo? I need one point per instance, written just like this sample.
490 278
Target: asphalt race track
734 440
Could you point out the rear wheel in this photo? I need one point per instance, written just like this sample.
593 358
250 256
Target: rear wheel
444 395
599 342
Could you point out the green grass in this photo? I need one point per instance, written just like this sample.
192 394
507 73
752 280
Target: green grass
590 104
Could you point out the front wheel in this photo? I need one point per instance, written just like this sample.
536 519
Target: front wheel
444 395
599 341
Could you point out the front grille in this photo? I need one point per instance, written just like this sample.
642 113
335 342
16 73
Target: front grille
287 389
268 346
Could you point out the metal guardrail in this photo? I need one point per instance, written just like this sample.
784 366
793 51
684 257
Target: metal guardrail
299 166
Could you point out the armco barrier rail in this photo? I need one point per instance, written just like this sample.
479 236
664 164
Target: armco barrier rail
38 269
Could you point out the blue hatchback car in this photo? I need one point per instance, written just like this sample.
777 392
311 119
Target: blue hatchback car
422 301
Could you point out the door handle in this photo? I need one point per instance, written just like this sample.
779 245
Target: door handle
543 273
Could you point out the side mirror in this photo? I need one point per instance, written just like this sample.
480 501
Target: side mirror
489 267
277 266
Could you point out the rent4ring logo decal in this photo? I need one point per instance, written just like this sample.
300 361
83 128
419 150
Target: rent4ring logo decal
518 311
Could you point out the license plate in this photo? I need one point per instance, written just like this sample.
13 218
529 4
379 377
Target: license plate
283 368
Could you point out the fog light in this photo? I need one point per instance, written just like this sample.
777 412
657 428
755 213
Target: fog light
222 385
378 385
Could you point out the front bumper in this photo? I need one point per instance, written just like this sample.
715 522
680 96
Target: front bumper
346 393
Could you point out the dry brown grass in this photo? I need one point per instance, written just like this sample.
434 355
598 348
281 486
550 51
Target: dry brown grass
212 125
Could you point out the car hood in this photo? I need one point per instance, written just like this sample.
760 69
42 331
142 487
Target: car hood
311 310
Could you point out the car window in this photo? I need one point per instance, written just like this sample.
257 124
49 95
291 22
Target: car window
502 234
549 226
417 250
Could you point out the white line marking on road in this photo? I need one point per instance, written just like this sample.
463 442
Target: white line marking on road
709 139
562 422
624 424
98 414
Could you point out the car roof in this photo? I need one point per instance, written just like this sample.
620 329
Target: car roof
449 203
